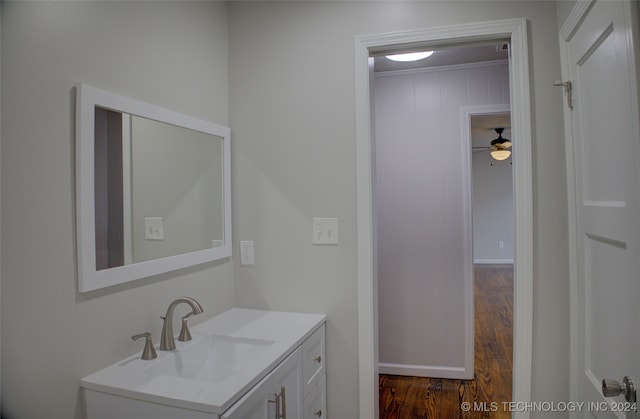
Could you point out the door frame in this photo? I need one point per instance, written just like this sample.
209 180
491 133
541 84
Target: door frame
514 30
565 34
466 113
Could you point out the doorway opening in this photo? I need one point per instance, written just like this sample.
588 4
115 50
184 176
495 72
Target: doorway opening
514 31
490 389
428 188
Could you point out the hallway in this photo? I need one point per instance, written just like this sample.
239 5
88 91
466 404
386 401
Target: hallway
437 398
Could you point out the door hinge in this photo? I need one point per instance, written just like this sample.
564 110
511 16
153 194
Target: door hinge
567 89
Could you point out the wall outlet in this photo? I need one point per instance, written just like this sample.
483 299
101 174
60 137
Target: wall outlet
246 252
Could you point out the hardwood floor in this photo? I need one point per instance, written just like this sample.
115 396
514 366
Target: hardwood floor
437 398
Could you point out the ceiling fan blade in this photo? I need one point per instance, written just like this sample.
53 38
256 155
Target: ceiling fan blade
506 146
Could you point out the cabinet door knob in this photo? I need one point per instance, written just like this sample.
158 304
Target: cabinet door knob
318 359
318 413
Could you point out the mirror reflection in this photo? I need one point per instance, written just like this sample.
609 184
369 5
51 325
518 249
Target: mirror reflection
158 189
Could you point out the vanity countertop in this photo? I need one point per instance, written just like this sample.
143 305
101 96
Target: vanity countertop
211 384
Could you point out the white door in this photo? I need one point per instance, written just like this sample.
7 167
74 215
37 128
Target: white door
603 155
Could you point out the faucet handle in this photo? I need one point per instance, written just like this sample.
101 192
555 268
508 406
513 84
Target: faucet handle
185 335
149 352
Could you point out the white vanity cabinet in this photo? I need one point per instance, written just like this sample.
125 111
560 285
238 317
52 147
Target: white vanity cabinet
276 372
294 390
313 373
315 402
278 394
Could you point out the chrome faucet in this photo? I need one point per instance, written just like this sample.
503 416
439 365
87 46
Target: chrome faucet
167 342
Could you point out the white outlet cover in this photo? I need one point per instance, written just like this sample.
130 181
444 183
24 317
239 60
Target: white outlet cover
246 252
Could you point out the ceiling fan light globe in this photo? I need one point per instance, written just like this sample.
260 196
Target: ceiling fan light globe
500 154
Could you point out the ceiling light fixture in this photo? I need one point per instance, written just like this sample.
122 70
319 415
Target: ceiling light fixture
500 146
500 154
412 56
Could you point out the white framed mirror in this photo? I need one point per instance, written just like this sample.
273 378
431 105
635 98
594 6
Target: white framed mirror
153 189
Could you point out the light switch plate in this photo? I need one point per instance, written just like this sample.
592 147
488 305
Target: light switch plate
153 228
325 231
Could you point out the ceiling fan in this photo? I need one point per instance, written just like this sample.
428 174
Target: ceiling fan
500 148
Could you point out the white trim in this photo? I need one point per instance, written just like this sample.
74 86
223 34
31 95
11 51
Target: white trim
441 68
89 278
467 202
570 25
0 227
516 31
494 261
440 36
127 224
466 112
454 373
569 28
367 281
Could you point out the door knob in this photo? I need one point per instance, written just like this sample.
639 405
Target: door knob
613 388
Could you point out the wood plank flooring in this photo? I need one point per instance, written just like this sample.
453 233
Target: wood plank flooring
437 398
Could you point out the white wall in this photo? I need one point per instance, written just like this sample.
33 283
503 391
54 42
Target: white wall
174 54
292 117
492 201
292 114
421 206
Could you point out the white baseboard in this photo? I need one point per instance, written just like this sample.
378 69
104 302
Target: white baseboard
425 371
493 261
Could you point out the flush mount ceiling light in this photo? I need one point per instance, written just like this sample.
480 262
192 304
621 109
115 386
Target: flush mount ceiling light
411 56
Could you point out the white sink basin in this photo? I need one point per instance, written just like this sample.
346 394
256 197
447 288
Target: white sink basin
229 354
213 359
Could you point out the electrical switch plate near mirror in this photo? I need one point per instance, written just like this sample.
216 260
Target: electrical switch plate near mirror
153 228
325 231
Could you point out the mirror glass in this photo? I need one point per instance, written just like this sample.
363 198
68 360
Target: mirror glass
152 189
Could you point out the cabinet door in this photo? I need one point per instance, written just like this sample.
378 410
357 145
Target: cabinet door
287 385
313 359
252 405
261 401
315 403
